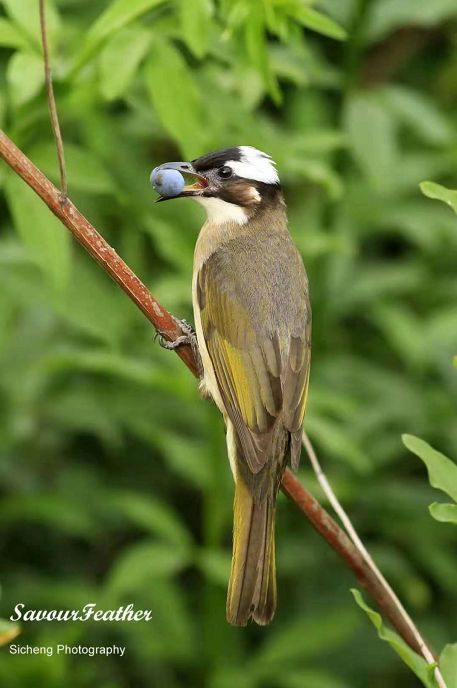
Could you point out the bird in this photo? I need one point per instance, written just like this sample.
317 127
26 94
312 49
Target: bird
252 316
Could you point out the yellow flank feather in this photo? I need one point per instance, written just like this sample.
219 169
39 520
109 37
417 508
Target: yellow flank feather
240 376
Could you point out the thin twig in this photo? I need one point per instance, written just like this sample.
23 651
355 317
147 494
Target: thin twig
345 520
52 105
164 323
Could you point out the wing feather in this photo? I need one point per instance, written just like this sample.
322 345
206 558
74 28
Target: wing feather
261 372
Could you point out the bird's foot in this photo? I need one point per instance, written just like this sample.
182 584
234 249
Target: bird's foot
187 338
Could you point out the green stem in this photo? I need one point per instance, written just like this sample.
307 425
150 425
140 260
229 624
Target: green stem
355 44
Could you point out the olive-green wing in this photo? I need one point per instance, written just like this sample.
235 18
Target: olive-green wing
262 375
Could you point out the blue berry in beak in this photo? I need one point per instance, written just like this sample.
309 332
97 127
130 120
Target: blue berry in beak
167 182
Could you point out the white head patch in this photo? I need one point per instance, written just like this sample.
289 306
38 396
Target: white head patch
254 164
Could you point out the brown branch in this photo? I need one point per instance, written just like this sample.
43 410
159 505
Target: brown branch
165 324
94 243
52 104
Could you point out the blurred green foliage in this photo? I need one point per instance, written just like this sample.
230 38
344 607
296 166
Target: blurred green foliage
442 473
113 474
416 663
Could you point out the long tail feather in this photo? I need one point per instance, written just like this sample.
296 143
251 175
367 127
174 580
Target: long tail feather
252 586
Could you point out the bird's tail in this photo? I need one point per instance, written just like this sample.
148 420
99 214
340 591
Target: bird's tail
252 586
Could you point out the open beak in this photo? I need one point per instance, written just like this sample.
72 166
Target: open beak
186 168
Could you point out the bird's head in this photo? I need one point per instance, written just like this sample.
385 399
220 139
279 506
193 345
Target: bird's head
231 184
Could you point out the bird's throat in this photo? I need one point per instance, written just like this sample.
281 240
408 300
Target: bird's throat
221 212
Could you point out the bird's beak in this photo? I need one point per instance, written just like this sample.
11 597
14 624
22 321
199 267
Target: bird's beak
186 168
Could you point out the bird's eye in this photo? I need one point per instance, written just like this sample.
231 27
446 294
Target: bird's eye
225 172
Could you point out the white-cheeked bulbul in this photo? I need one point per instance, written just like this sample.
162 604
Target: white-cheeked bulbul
253 327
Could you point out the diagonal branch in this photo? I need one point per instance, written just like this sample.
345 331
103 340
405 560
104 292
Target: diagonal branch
94 243
165 324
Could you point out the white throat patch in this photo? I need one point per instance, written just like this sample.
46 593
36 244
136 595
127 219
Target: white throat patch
220 212
254 165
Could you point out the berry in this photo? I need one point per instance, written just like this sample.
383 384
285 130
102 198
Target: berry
167 182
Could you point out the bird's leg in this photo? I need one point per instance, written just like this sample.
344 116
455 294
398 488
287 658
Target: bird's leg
188 337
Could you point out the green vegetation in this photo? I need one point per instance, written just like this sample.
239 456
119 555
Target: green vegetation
113 474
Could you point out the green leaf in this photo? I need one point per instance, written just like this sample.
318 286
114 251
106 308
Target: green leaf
186 458
25 13
140 563
440 193
120 59
316 21
25 77
419 113
195 19
416 663
84 170
10 37
8 631
404 330
372 137
225 676
180 252
257 50
117 15
107 317
100 361
2 118
310 678
53 511
154 516
338 443
172 632
305 638
441 470
319 172
448 665
84 410
380 280
445 513
215 565
46 240
175 96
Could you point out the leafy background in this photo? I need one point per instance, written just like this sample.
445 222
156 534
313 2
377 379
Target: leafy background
113 475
